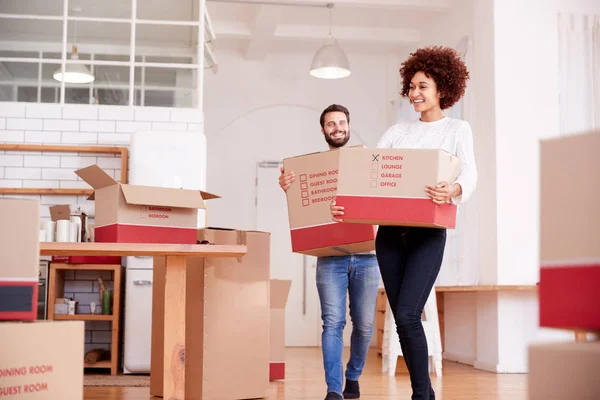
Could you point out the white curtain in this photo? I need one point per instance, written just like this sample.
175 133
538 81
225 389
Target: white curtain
579 70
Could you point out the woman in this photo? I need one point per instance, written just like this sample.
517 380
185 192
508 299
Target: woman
433 79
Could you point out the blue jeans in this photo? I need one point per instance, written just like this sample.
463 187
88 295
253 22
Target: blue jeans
359 276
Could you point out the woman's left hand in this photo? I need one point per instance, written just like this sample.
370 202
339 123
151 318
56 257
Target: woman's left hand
443 192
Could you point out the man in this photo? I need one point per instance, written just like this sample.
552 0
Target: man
355 274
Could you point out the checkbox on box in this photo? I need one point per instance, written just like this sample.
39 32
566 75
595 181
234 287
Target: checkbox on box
303 178
305 202
373 175
305 194
375 166
373 184
304 186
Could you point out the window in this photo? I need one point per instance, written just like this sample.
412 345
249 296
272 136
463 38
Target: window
137 52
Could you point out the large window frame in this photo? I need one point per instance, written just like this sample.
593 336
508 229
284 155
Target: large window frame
205 36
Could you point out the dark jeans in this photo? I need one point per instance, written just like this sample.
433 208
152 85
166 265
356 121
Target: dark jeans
409 260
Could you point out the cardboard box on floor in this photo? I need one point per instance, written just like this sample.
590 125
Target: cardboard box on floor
313 232
142 214
387 186
42 360
564 371
227 325
280 290
569 289
19 258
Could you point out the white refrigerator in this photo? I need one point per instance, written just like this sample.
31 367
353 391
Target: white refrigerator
167 159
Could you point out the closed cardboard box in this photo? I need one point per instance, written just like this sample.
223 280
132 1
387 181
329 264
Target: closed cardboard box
313 232
142 214
387 186
280 290
19 258
42 360
564 371
569 289
227 325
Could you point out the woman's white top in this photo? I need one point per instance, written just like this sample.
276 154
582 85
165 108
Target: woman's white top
449 134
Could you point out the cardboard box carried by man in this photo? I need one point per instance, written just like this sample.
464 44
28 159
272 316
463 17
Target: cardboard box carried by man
376 187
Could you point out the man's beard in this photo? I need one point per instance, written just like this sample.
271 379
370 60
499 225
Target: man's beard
339 143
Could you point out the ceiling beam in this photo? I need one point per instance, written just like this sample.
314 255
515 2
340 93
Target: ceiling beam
418 5
261 32
400 36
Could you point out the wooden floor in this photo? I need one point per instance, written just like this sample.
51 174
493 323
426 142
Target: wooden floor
305 380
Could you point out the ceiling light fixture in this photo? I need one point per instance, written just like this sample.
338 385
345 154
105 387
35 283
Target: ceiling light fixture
74 73
330 61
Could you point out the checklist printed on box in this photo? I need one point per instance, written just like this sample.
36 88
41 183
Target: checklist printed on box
304 190
374 172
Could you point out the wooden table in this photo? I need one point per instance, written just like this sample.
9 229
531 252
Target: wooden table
175 299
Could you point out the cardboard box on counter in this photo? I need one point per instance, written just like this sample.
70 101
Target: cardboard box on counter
280 289
19 259
227 326
142 214
42 360
564 371
387 186
569 288
313 232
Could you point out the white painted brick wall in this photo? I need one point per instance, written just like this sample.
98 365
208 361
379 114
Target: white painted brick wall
74 125
42 137
97 126
9 136
69 125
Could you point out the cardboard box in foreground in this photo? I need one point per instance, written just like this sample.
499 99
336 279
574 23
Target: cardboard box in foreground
313 232
569 292
142 214
19 259
280 290
387 186
564 371
42 360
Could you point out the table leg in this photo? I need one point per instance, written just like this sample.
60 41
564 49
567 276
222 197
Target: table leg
174 333
440 306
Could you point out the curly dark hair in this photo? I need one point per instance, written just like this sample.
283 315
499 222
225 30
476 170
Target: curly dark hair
334 108
442 64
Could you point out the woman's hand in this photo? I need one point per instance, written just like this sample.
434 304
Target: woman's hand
443 192
285 180
336 211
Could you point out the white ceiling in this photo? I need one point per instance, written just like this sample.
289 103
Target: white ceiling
375 24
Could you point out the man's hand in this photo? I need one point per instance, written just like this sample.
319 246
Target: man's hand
443 192
336 211
285 180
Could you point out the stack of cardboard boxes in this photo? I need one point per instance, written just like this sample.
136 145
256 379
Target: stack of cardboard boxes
569 288
375 186
40 359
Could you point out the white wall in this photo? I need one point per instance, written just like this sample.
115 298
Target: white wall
270 110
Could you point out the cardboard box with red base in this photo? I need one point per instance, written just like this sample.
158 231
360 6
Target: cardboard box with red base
142 214
280 290
569 289
42 360
387 186
562 371
313 232
19 258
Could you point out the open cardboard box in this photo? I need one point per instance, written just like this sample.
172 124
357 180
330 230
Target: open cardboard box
142 214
